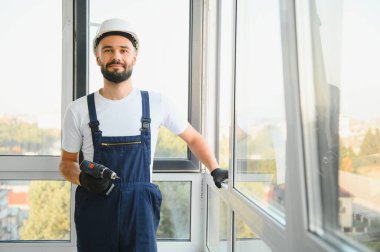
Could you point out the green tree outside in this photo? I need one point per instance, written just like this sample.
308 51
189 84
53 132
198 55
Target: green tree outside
175 210
346 158
49 211
370 144
18 136
243 231
169 145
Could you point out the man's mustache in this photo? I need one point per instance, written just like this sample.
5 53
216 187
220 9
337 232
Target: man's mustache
115 62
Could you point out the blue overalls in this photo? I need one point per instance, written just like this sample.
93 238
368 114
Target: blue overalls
127 219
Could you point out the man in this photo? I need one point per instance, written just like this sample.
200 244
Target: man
117 127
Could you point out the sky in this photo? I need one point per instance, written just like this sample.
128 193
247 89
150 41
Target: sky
30 69
361 59
31 49
163 31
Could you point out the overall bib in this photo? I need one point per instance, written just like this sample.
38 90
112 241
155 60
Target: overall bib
127 219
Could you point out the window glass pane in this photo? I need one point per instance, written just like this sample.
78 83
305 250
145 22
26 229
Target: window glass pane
225 81
346 59
246 239
217 223
260 130
31 42
34 210
175 210
163 59
169 145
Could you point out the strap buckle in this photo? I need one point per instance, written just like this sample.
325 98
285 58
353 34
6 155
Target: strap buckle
94 126
145 124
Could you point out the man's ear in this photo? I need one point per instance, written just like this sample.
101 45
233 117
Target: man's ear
98 60
134 59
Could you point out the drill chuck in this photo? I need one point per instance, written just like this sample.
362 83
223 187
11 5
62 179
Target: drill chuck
107 173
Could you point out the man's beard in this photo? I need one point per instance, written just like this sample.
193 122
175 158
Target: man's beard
115 76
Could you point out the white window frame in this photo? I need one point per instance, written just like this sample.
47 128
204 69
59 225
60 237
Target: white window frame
196 215
294 235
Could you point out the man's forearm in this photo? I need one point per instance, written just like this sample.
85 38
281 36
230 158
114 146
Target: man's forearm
70 170
199 147
203 152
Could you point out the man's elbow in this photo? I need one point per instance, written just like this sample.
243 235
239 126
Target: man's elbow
191 136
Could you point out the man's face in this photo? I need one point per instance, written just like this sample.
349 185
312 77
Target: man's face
116 57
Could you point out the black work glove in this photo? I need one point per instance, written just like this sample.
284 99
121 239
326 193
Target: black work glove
219 175
96 185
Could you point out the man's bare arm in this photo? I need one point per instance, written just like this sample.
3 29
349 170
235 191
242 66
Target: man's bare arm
69 166
199 147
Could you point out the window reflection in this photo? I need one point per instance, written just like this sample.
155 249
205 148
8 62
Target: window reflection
346 87
260 130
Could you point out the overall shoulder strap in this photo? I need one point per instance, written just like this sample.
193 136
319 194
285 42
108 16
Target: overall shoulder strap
145 119
94 123
145 122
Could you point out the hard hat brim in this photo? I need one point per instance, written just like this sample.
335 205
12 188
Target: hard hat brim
119 33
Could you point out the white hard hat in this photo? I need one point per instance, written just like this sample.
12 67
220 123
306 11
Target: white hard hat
116 26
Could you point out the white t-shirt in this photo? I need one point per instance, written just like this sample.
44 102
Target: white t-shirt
118 118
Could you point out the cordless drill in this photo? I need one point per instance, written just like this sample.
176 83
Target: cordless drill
98 171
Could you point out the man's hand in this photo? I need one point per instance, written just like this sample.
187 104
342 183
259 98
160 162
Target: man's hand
219 175
96 185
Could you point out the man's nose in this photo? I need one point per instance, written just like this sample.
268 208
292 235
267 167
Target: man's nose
116 56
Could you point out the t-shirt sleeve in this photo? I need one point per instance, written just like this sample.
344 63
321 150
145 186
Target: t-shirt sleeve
175 121
71 135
